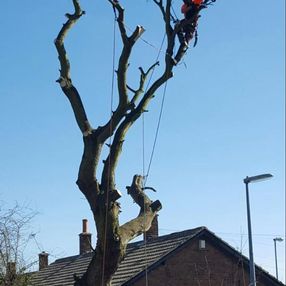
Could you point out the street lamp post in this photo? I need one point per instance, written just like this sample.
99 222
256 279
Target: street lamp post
248 180
280 240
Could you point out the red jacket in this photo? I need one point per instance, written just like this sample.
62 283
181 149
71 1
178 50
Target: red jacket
197 2
185 8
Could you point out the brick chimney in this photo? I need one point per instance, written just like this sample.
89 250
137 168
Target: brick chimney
153 231
84 239
43 260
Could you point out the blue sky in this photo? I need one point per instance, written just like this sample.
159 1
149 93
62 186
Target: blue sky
223 120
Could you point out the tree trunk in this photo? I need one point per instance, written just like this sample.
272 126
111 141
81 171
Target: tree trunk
112 239
104 263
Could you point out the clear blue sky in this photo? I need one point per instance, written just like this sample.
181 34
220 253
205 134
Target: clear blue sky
223 119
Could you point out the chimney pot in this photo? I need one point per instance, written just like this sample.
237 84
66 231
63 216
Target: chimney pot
84 225
43 260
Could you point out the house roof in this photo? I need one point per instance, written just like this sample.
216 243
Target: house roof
139 257
60 272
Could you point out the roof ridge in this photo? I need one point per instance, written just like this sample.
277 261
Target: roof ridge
169 235
137 243
67 258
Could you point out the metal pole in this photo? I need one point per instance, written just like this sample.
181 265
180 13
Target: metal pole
251 261
275 258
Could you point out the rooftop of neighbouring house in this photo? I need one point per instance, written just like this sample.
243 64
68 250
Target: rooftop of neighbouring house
139 256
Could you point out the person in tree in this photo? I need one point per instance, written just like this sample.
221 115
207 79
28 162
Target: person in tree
190 7
187 26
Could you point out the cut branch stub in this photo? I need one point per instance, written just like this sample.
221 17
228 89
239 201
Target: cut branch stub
156 206
136 191
115 195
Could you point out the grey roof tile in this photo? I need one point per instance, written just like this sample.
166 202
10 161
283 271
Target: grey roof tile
139 256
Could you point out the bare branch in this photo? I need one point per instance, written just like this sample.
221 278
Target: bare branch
161 7
124 105
108 173
143 79
150 93
131 89
136 34
152 67
65 79
149 188
120 19
86 177
59 41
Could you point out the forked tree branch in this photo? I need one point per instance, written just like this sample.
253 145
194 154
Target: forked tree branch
124 105
120 19
86 178
108 174
143 78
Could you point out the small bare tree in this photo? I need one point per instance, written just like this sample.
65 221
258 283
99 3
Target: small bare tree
14 237
100 191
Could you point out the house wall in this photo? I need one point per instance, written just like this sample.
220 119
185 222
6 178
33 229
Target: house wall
192 266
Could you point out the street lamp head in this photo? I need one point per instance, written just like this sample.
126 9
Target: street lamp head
280 239
257 178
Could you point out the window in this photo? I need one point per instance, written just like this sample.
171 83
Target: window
202 244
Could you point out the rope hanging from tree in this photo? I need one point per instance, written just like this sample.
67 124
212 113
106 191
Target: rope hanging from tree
152 154
143 123
110 141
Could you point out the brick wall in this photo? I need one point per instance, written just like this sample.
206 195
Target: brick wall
192 266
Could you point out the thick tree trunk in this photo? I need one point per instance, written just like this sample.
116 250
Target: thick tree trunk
107 257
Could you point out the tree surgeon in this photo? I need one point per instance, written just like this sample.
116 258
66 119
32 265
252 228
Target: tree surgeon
187 27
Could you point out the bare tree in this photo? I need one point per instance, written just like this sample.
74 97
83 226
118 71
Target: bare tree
100 191
14 237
